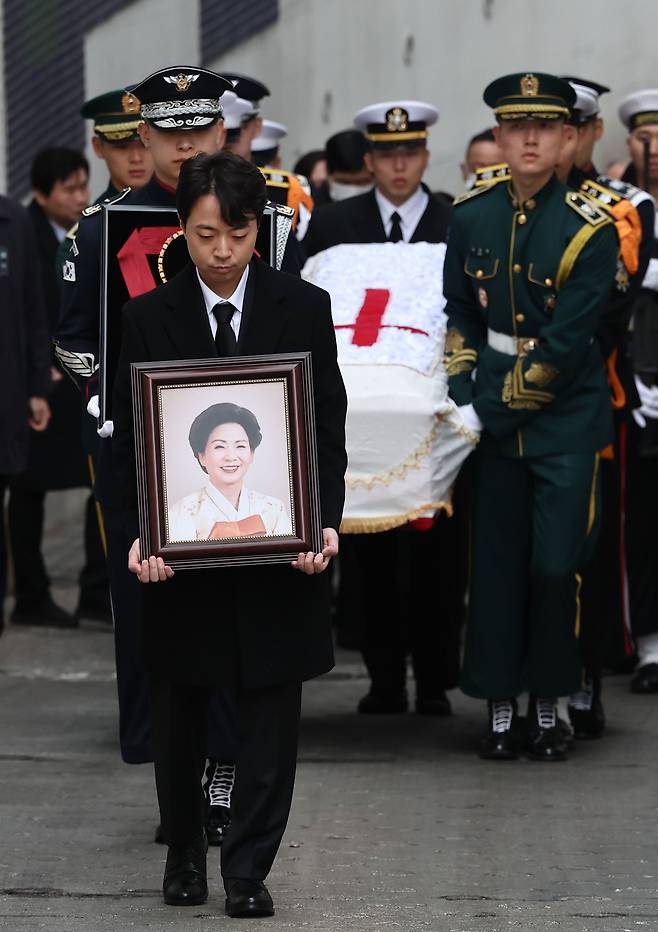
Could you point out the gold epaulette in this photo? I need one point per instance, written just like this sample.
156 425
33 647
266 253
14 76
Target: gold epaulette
604 197
587 208
276 177
467 195
492 174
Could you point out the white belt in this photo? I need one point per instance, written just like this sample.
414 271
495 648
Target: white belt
512 346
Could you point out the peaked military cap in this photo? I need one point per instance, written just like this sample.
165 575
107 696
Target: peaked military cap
530 95
248 89
639 108
586 107
182 97
269 137
235 111
583 82
116 115
396 123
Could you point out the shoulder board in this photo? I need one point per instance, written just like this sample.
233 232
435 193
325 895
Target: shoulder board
587 208
281 209
73 231
492 174
94 209
276 177
606 198
633 194
467 195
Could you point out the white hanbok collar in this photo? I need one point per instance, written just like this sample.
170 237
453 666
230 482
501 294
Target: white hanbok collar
232 514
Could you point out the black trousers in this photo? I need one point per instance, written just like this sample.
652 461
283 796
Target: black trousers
26 519
641 535
268 728
4 481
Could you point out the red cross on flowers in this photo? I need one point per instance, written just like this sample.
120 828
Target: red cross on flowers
369 319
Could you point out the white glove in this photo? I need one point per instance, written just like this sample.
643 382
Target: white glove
648 403
470 420
93 407
106 429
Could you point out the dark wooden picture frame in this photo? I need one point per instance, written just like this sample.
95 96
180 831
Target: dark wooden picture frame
142 248
293 372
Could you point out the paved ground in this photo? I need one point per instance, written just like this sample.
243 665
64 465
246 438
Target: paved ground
396 824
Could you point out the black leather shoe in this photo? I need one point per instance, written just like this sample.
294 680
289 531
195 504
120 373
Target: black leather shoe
94 611
185 880
433 705
218 819
383 702
544 740
502 740
588 723
645 679
246 899
44 614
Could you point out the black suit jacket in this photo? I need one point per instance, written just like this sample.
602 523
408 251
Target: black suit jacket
252 626
357 220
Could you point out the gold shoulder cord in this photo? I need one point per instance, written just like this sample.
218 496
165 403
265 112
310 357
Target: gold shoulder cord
571 253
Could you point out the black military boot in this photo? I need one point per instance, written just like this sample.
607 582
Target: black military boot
544 741
218 787
586 710
502 739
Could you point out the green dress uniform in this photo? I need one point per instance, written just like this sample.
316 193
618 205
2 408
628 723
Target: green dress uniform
526 285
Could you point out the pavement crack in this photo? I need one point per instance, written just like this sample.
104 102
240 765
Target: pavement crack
54 893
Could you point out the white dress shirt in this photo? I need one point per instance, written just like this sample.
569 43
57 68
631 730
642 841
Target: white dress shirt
236 299
410 212
59 231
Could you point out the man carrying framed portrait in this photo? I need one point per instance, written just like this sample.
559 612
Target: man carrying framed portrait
258 630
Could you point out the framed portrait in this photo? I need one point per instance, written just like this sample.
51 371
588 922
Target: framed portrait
142 248
226 460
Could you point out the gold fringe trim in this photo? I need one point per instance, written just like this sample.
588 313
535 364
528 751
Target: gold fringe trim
389 522
399 471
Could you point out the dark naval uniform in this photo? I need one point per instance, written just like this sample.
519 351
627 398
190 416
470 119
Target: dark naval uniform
526 285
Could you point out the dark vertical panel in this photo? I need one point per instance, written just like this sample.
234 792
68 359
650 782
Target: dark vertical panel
44 76
225 23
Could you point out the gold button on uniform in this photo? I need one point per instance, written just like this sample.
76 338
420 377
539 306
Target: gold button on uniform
516 267
522 219
548 282
520 318
479 273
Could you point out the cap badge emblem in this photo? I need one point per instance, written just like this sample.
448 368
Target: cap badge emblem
182 81
397 120
529 85
129 103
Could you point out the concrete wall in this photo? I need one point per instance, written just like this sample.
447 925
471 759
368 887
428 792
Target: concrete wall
323 60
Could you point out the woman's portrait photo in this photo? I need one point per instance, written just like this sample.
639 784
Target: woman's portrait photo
226 463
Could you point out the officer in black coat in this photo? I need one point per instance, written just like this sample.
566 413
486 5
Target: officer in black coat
24 353
270 629
181 116
424 567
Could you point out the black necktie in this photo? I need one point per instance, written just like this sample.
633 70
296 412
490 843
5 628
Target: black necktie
225 340
396 230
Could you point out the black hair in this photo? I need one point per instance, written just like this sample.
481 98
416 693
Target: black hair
54 164
237 184
306 163
223 413
485 136
264 156
345 151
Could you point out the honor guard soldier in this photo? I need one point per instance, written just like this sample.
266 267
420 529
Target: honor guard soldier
424 567
116 140
604 600
528 272
181 116
283 187
250 93
639 113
